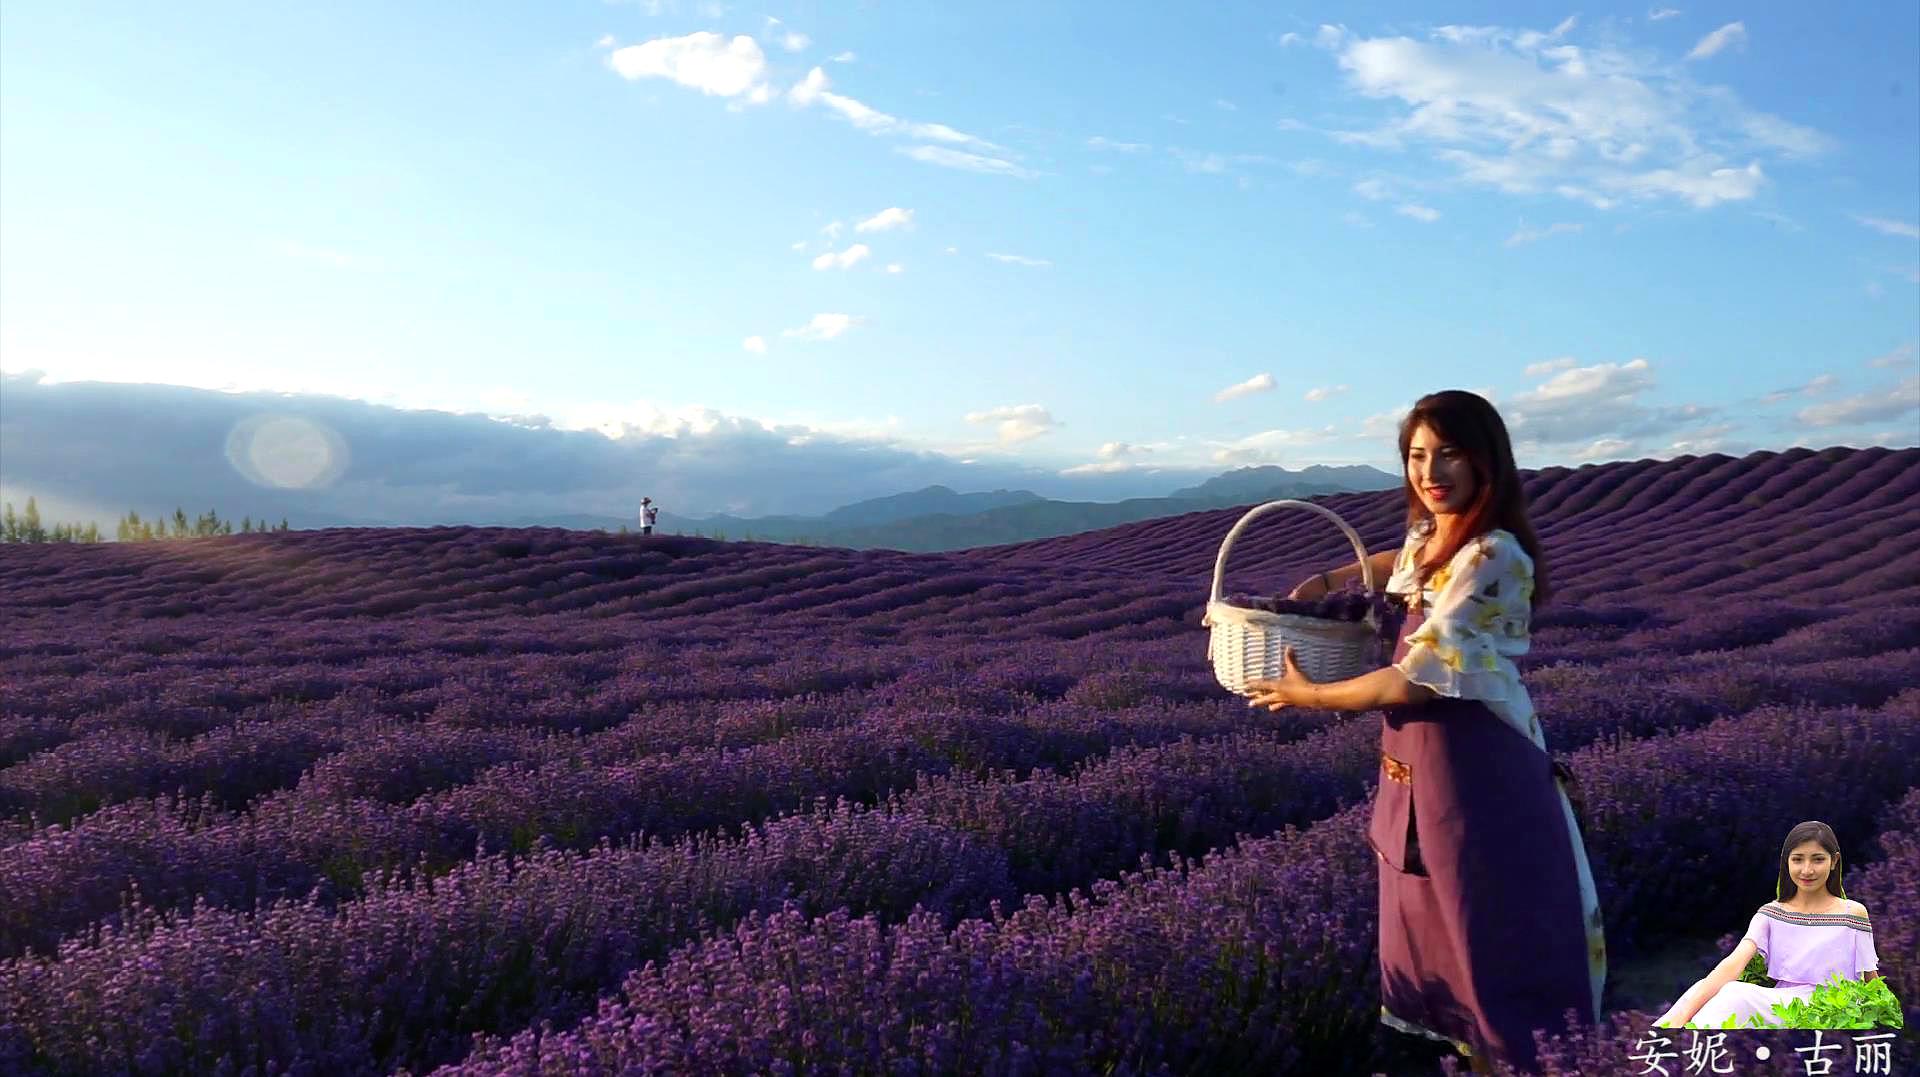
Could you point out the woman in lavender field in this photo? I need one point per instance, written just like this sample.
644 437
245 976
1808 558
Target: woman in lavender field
1489 923
1811 932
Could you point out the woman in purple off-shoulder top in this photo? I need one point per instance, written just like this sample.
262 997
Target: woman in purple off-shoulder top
1806 936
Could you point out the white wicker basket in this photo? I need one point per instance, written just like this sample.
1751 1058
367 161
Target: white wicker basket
1245 644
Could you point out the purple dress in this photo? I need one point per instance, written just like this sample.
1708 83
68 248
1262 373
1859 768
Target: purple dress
1802 949
1482 935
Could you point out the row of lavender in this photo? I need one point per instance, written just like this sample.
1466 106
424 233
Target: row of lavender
1237 961
63 767
374 794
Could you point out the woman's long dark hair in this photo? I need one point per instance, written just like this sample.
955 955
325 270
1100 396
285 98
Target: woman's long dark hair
1469 421
1811 830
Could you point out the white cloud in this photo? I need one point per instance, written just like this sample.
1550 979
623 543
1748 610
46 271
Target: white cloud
756 345
845 58
1884 405
1099 142
1659 14
1597 410
1269 446
1017 259
1733 33
846 259
795 42
1889 226
969 162
1526 112
1310 167
815 87
824 327
896 267
1290 38
703 61
1372 189
1216 164
887 219
1814 387
605 42
1323 392
1565 362
800 246
1114 457
1600 450
1418 212
1225 105
1899 356
1534 235
1017 423
1875 289
1259 383
832 229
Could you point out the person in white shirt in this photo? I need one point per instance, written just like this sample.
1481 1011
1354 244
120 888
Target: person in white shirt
647 513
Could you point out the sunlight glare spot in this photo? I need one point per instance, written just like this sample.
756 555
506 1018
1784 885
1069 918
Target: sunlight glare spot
286 451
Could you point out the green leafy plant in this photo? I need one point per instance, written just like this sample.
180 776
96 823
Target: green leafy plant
1837 1003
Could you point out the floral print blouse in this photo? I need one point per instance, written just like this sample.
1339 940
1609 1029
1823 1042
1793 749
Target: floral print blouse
1477 615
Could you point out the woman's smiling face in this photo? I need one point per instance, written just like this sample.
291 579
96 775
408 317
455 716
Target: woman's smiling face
1433 462
1808 866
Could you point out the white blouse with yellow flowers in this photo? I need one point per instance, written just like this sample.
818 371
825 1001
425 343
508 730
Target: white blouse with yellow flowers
1477 616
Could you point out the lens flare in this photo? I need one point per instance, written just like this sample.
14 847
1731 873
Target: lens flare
287 452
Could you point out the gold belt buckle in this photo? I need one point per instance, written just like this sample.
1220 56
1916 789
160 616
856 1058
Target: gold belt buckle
1398 771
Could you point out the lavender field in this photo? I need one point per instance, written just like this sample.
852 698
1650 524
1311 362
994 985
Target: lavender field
486 801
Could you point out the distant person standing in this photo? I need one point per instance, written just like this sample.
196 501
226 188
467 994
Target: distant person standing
647 514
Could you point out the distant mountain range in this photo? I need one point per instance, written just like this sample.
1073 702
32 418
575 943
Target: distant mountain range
938 518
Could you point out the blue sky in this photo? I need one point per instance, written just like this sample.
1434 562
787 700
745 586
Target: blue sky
1086 240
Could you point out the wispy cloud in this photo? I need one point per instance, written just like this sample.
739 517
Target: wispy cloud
1733 33
1216 164
1529 112
1324 392
1269 446
1018 259
1659 14
824 327
1017 423
1900 356
844 58
1527 235
846 259
1098 142
1259 383
1812 387
817 87
756 345
968 162
1565 362
1424 214
1889 226
1895 401
886 220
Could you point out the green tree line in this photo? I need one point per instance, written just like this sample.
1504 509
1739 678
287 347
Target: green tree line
28 527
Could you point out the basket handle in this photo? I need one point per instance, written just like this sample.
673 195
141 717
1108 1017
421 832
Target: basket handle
1359 550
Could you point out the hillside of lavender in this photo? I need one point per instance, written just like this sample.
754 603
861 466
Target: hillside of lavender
467 800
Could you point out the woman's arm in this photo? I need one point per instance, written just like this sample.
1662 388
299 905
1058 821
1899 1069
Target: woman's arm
1339 577
1384 687
1703 990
